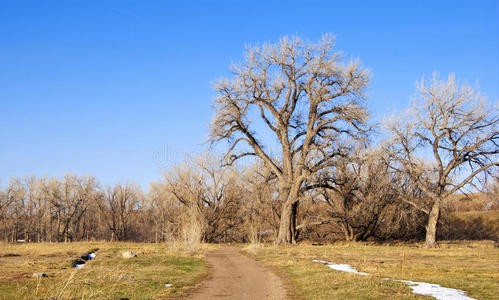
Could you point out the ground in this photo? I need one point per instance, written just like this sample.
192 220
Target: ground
264 272
469 266
108 276
238 277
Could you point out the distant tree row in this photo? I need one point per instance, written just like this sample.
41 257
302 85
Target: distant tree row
74 208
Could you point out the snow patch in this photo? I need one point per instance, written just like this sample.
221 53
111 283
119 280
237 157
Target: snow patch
422 288
435 290
340 267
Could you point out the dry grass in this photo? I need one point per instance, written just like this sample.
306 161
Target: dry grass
469 266
109 276
192 232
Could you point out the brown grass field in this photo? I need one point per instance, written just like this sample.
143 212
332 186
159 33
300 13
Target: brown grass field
469 266
108 276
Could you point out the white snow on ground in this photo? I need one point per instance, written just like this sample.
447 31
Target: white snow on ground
421 288
436 291
340 267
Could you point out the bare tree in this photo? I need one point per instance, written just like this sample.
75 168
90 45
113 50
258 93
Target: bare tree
4 217
69 201
306 96
121 202
165 213
36 208
210 192
444 142
16 210
359 191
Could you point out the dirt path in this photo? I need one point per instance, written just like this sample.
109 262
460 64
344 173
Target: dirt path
236 276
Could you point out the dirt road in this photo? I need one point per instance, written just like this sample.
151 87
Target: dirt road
236 276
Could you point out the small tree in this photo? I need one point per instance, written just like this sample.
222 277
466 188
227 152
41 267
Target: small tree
208 193
306 96
359 191
444 142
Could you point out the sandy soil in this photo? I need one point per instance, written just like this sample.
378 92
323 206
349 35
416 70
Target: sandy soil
236 276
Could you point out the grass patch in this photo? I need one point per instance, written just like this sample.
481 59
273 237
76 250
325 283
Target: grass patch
468 266
108 276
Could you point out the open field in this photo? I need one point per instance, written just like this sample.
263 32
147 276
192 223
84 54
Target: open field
108 276
469 266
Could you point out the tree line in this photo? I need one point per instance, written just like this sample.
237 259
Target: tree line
327 181
205 200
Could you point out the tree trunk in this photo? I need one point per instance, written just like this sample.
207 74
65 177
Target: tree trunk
348 230
287 223
284 235
431 227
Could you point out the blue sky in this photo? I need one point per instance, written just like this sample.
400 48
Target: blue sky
120 89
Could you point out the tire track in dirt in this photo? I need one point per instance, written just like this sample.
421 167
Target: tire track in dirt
236 276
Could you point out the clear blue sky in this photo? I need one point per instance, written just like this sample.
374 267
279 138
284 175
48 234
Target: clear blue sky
118 89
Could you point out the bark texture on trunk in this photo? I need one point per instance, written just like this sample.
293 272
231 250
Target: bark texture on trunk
431 227
287 224
285 235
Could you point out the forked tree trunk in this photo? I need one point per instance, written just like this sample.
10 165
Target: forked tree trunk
431 227
348 230
287 223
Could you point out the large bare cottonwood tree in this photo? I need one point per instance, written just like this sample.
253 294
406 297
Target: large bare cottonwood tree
444 142
307 96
